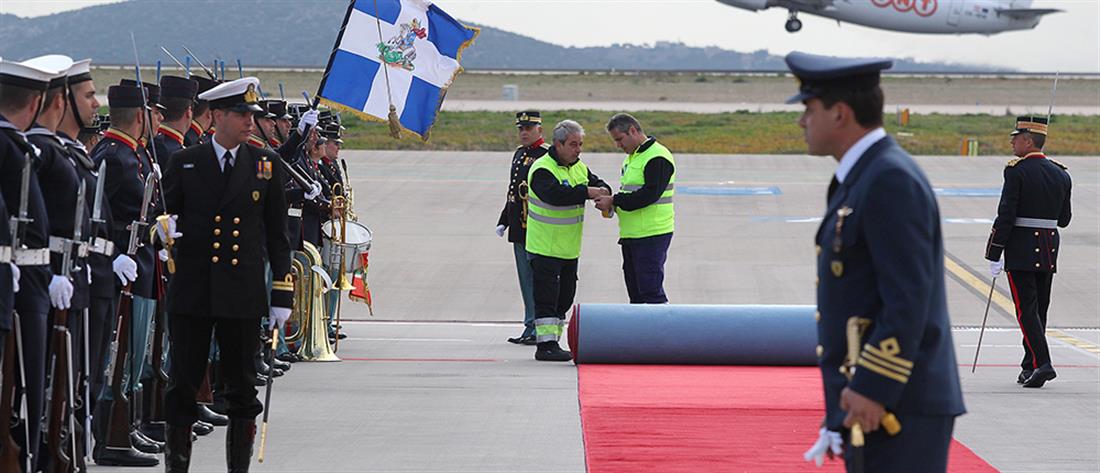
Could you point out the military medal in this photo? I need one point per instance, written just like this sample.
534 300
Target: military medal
836 265
267 170
259 169
255 196
838 268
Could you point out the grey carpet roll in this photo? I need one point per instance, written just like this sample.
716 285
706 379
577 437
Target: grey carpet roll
694 334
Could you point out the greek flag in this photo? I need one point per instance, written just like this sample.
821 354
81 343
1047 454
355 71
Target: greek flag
399 53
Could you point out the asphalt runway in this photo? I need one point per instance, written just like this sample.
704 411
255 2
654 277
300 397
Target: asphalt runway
429 385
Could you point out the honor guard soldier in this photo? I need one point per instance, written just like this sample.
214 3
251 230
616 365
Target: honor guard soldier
125 177
226 198
178 98
560 185
330 163
513 217
201 116
883 328
1024 240
645 209
22 89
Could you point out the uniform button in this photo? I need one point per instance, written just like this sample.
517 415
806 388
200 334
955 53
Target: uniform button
818 248
236 247
236 220
817 282
1051 233
217 231
1036 233
820 351
217 219
214 259
1052 250
233 262
1036 249
817 316
1036 265
217 245
236 233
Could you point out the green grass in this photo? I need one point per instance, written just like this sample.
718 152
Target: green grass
727 133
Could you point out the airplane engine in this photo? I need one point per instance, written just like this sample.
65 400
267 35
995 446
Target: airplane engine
748 4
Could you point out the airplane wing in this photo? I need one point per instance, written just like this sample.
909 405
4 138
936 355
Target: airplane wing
1026 13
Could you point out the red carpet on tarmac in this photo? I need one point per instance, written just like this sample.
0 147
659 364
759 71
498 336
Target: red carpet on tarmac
702 419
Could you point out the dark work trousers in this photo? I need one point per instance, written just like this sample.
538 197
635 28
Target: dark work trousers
1031 295
526 287
555 286
644 268
188 352
920 447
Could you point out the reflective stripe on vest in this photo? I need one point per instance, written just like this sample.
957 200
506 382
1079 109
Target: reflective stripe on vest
657 218
555 230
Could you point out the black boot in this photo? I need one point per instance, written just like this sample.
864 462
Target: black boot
202 428
144 444
211 417
280 364
177 449
551 351
114 456
1040 376
238 445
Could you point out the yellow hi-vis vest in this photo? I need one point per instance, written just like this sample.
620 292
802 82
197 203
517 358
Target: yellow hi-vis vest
657 218
554 230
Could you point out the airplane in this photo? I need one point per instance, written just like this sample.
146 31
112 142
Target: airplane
984 17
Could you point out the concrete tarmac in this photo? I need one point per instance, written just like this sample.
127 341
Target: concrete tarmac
430 385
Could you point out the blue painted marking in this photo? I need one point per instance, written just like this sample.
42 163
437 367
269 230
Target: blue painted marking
968 191
733 191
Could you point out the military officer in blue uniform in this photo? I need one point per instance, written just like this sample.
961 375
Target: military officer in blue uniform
1024 239
231 208
879 265
513 217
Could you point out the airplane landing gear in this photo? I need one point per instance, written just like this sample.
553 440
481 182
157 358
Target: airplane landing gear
793 23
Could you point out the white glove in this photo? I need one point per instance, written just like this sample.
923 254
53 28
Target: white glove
500 230
171 228
14 278
313 192
995 267
162 254
308 119
827 441
61 292
125 268
277 316
156 169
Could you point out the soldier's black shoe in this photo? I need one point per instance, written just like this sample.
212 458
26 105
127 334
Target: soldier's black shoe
122 457
177 449
211 417
551 351
238 445
201 428
280 364
153 431
1024 375
1040 376
144 444
289 357
261 380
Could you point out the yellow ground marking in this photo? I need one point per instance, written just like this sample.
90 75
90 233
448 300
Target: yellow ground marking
1005 303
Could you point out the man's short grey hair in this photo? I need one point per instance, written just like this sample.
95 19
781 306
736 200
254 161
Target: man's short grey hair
565 128
622 122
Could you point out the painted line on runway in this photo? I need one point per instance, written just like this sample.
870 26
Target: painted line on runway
1017 365
957 269
1004 303
1074 341
457 340
729 191
967 191
426 360
800 219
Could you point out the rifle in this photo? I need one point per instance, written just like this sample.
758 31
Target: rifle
11 384
59 424
118 420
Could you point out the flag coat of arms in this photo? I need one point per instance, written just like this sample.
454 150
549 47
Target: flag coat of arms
402 54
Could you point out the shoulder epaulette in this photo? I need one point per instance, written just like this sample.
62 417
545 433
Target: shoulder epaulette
1056 163
545 145
519 147
1014 161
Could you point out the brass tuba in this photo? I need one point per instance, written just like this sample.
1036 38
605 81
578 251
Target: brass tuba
307 325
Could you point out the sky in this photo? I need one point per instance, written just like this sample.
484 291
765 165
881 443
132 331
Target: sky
1066 42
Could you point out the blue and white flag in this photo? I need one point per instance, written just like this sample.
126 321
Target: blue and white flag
403 53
